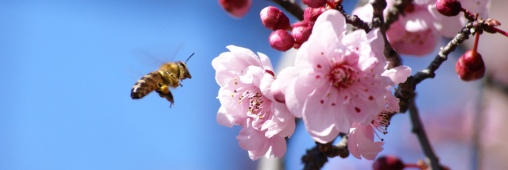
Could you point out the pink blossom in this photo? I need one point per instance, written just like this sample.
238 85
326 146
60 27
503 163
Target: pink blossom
361 137
246 100
414 32
361 142
417 43
422 15
449 26
337 78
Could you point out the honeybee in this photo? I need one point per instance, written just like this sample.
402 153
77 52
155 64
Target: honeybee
168 75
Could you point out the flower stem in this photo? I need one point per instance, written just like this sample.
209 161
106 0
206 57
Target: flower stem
476 42
501 31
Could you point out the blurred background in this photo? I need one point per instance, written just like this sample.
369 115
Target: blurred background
67 69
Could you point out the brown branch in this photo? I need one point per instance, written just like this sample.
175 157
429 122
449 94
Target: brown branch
419 130
354 20
406 90
442 56
292 8
378 21
316 157
395 11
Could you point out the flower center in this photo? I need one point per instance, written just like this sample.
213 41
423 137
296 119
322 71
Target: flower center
342 75
256 102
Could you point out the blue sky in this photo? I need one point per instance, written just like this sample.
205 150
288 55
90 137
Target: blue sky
67 69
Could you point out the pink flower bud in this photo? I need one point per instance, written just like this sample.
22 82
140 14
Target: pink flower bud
470 66
274 19
311 14
314 3
448 7
301 32
388 163
281 40
237 8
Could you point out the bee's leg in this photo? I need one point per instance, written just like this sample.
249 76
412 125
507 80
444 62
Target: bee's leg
170 98
164 92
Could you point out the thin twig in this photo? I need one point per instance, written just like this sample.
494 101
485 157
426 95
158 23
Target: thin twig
406 90
378 21
292 8
419 130
354 20
395 11
314 159
442 56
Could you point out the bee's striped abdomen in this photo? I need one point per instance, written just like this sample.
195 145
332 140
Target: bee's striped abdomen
145 85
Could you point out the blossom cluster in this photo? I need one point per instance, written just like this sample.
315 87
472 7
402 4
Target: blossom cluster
338 84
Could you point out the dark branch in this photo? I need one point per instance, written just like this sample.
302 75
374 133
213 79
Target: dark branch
318 156
354 20
378 21
442 56
405 89
292 8
395 11
314 159
419 130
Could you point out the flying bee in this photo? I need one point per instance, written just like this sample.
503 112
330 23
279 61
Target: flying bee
168 75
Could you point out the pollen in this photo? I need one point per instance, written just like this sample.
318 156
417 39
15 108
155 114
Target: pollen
164 89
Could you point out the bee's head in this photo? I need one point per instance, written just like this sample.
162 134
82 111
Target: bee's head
184 72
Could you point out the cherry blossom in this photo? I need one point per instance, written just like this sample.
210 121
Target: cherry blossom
449 26
414 32
361 137
361 142
246 100
337 78
419 29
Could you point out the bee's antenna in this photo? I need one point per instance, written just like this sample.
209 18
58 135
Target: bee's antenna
189 58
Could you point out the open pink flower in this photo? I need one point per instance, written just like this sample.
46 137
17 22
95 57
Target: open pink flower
246 100
337 78
418 30
414 32
361 137
449 26
361 142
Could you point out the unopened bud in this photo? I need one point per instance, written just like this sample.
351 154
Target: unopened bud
301 32
314 3
448 7
281 40
470 66
274 19
388 163
237 8
311 14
